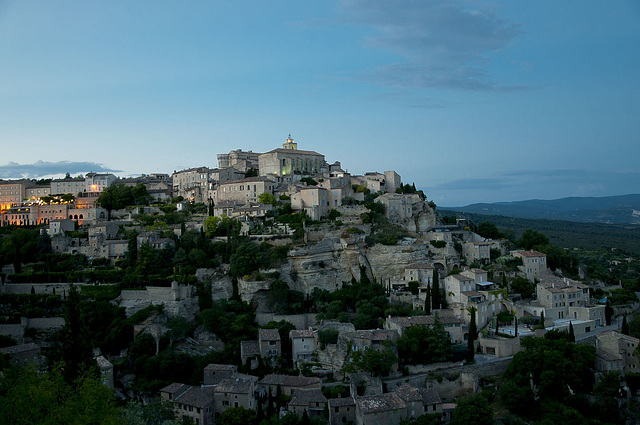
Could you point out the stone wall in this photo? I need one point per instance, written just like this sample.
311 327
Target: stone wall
39 288
41 324
300 321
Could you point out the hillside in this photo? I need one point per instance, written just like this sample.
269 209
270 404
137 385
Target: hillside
623 209
567 234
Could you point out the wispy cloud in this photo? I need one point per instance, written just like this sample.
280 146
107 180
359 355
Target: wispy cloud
13 170
444 44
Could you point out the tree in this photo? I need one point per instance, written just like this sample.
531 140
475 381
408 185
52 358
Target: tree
572 334
427 300
424 344
414 287
608 313
435 289
245 260
624 329
473 330
31 397
237 416
267 198
376 362
531 238
116 197
75 345
474 409
488 230
523 286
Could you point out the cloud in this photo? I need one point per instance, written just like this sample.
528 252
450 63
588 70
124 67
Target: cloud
406 98
13 170
443 44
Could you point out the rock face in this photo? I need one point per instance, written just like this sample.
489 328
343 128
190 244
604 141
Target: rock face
335 261
221 283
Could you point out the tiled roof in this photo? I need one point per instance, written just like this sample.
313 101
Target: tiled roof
175 388
304 397
290 381
380 403
461 277
408 393
249 348
430 396
197 397
268 335
339 402
529 253
227 367
235 386
304 333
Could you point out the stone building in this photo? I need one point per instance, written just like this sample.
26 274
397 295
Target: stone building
312 199
290 160
194 403
476 251
239 160
215 373
12 193
237 391
534 263
615 352
388 409
313 401
303 344
342 410
244 191
289 385
452 324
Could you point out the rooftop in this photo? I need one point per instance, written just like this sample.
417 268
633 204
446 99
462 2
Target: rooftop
290 381
22 348
268 335
380 403
304 333
304 397
339 402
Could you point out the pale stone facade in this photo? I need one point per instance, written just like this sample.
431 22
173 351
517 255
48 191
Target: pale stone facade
313 199
239 160
557 295
303 344
534 263
476 251
244 191
615 352
290 160
12 193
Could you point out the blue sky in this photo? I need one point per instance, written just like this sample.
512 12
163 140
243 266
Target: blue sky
474 101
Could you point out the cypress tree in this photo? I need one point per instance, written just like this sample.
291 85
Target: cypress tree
625 326
435 296
427 300
541 324
608 313
572 335
473 330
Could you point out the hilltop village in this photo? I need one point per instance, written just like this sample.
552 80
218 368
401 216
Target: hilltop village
279 284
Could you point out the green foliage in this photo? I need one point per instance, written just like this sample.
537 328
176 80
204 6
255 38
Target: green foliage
555 366
350 231
531 238
438 244
424 344
474 409
386 234
237 416
30 397
309 181
245 260
7 341
118 196
327 336
376 362
523 286
20 246
488 230
333 214
151 414
414 287
267 198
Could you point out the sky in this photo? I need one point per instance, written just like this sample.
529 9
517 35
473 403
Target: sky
473 101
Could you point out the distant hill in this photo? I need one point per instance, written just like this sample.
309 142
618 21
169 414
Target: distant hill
623 209
567 234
